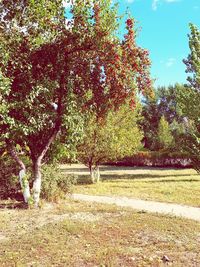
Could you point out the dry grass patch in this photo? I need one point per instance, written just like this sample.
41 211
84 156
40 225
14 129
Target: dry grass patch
85 234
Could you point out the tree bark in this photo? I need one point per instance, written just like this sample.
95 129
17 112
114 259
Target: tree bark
22 173
24 185
37 182
95 174
37 162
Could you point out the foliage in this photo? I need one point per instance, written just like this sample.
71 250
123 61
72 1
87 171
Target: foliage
189 99
8 179
117 137
164 103
165 137
150 123
167 102
56 184
191 144
65 145
192 61
50 62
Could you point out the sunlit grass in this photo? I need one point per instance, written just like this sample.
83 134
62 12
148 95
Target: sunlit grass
167 185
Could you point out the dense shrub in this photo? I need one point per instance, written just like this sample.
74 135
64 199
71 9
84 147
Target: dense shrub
156 159
9 183
191 144
55 184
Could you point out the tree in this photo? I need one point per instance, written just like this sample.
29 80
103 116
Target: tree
118 136
167 102
192 61
164 103
164 134
189 98
150 123
29 119
55 71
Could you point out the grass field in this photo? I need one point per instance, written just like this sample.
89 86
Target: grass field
80 234
167 185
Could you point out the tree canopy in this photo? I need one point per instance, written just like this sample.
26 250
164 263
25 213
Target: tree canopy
189 98
117 137
52 68
163 103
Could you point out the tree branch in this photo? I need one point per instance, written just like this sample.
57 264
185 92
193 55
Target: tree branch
58 121
14 155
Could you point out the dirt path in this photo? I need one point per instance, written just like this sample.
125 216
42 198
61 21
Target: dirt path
143 205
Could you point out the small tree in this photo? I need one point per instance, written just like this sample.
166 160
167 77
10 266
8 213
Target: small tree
118 136
164 103
164 134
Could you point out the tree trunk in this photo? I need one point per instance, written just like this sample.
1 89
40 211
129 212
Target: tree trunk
37 182
22 173
95 174
24 185
37 162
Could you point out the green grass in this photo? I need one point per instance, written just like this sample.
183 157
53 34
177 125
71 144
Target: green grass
167 185
116 238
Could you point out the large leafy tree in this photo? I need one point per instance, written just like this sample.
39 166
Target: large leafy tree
52 68
189 98
191 93
29 41
192 62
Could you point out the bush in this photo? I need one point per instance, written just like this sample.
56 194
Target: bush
55 184
191 144
10 187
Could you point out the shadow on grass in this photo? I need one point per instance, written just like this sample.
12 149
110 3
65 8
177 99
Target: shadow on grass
74 170
84 179
84 176
146 168
13 205
120 168
146 176
115 178
159 181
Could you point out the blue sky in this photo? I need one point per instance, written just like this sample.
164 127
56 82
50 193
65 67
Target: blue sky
164 32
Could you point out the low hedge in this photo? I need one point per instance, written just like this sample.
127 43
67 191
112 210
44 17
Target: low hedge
156 159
